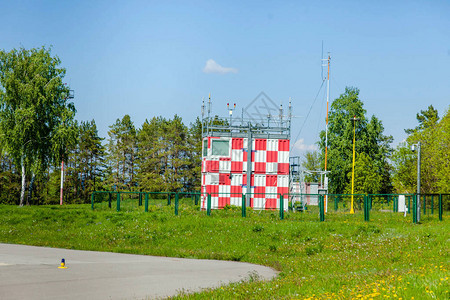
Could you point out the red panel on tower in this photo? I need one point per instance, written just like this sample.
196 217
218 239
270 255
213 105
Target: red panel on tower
260 167
271 180
237 166
271 203
237 143
272 156
283 168
260 144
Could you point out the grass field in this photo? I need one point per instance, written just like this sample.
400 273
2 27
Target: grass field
341 258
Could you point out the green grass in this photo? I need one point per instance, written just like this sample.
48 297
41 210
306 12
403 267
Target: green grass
341 258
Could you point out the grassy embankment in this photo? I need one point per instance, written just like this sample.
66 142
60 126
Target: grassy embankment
341 258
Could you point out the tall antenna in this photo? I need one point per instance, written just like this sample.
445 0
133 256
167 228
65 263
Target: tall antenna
290 116
203 107
328 100
321 56
326 126
209 105
290 109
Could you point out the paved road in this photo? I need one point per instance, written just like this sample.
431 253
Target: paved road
28 272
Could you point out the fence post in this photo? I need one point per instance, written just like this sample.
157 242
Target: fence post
118 201
176 204
424 205
92 200
432 202
168 198
409 204
414 208
366 208
208 205
146 202
140 199
109 199
440 207
336 203
321 209
281 207
244 208
196 199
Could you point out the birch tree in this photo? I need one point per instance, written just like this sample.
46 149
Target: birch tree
35 115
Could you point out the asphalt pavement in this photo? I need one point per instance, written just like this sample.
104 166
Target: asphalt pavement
29 272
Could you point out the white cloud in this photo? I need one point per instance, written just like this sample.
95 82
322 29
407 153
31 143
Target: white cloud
213 67
301 146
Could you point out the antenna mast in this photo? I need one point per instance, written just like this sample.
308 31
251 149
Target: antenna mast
325 182
328 99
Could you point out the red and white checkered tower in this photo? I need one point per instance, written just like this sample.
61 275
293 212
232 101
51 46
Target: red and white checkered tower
230 163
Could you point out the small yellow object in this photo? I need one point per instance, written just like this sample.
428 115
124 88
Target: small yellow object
63 264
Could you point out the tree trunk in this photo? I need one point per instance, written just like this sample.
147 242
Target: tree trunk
22 191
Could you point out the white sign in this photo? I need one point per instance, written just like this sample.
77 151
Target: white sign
402 204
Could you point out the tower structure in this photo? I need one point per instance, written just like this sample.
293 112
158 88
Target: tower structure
245 156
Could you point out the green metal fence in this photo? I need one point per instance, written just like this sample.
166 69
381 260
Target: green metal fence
431 205
132 201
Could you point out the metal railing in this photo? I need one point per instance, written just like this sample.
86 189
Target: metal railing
338 203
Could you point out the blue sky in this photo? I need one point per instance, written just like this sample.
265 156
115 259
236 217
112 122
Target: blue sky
148 58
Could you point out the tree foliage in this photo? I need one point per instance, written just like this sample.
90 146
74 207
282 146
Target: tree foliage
122 152
169 155
36 120
434 136
370 140
312 161
366 180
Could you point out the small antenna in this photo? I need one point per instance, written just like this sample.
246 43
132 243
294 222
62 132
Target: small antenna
281 112
290 108
321 57
203 107
209 105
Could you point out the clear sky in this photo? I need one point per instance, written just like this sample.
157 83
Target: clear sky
151 58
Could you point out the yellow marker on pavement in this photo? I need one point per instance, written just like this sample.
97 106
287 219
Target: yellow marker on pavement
63 264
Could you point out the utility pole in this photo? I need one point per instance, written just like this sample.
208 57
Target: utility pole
326 131
353 164
418 181
413 148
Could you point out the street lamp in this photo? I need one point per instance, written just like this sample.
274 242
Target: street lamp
353 163
413 148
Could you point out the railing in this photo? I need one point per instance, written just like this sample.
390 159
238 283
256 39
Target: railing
330 203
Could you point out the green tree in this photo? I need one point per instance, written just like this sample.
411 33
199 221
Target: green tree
85 163
370 140
122 152
366 180
434 136
194 168
9 180
169 155
312 162
426 118
35 117
150 156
